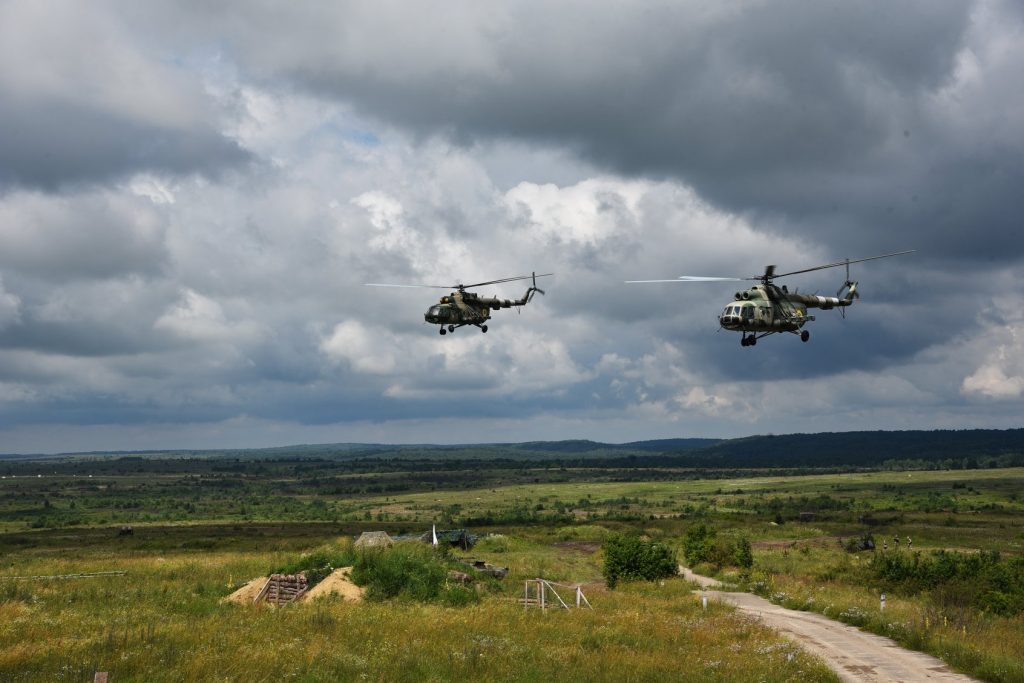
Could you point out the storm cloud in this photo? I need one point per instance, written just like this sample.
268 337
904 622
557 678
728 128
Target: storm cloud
191 199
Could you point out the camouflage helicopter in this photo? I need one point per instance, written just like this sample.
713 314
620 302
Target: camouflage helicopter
461 308
766 308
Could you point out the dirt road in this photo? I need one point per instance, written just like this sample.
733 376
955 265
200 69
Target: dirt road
857 657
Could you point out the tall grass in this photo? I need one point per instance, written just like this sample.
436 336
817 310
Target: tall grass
839 586
165 621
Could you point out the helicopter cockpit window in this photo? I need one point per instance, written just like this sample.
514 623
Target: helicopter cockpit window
438 311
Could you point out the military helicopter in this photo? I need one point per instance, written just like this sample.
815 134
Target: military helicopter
461 308
766 308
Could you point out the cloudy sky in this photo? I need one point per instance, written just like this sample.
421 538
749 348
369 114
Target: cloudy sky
191 199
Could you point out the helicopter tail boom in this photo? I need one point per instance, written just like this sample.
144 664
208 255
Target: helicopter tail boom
825 303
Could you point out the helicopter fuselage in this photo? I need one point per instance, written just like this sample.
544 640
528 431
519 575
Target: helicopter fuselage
766 309
461 308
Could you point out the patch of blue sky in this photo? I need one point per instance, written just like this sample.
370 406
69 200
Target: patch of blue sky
359 136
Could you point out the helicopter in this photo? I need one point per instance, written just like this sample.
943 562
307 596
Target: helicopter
461 308
767 308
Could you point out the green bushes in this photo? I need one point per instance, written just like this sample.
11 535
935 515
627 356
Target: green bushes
981 580
408 571
699 545
405 571
702 544
320 563
743 555
632 558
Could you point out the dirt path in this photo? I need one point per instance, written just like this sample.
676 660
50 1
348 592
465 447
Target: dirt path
855 655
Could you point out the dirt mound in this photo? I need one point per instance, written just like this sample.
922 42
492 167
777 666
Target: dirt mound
340 582
247 593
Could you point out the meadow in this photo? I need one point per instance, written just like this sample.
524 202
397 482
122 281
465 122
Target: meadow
200 528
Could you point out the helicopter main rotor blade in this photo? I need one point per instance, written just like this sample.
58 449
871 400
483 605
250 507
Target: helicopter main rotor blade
378 284
505 279
844 262
690 278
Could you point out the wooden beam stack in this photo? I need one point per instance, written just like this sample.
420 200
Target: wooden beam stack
283 588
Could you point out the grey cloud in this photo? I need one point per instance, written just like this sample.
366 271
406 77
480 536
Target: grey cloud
85 101
834 118
50 146
760 133
93 235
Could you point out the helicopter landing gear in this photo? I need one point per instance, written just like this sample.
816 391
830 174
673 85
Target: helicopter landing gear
443 331
748 341
804 335
451 328
483 328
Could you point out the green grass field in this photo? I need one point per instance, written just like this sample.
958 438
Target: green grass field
197 536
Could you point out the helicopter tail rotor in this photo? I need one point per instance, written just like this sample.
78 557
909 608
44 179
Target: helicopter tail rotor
533 288
847 293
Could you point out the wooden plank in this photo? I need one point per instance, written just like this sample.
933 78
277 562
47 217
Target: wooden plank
262 593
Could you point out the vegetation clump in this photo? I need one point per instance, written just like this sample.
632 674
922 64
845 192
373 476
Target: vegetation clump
983 580
632 558
319 564
408 571
702 544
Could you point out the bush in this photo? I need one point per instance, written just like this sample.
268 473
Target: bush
632 558
982 580
698 545
743 555
409 571
319 564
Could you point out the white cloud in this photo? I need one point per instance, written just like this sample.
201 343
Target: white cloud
10 307
199 318
367 350
1001 375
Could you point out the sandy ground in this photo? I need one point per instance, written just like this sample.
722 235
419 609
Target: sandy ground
247 593
337 582
855 655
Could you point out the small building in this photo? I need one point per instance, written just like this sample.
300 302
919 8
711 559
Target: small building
374 539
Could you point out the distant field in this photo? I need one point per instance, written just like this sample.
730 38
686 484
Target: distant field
201 526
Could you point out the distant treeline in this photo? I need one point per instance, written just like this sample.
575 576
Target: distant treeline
943 449
947 449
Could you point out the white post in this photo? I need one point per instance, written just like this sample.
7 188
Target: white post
882 606
541 582
704 601
578 593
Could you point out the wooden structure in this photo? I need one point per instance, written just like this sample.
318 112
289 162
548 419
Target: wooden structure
281 589
539 593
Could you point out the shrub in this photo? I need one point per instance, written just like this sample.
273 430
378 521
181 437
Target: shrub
632 558
982 580
318 564
743 555
409 571
698 545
